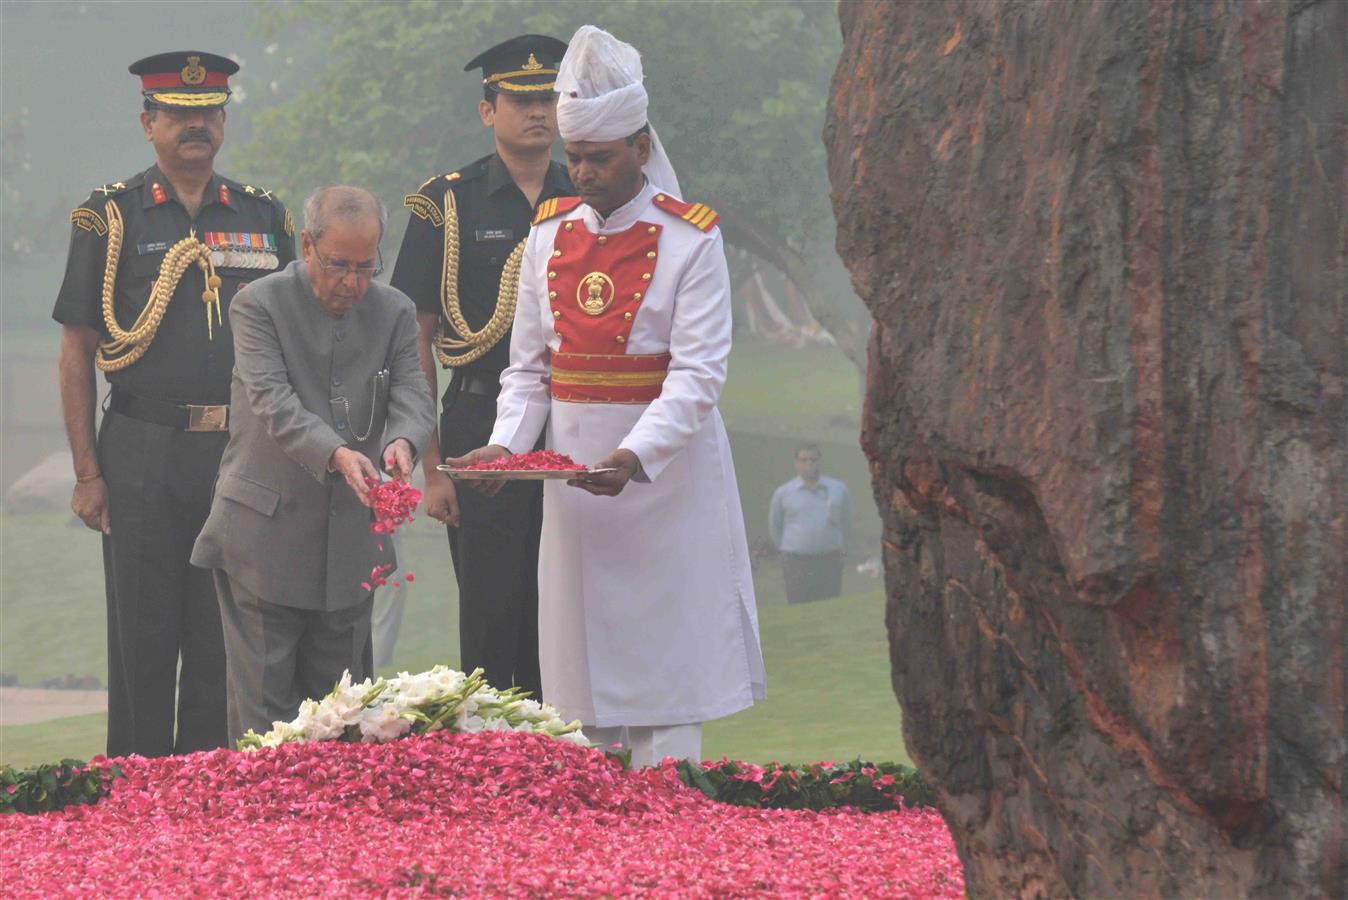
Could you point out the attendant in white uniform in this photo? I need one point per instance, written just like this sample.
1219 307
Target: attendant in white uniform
647 623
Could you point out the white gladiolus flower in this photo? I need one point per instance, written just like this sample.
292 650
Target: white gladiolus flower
325 725
576 737
382 723
386 709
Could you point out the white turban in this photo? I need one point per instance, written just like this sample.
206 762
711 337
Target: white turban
600 98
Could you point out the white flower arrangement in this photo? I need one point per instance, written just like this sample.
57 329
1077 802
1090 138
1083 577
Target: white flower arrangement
384 709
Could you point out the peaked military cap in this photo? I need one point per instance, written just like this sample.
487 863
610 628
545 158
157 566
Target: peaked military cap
521 65
185 79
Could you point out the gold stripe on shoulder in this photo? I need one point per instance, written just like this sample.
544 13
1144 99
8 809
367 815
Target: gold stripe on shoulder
705 218
422 206
86 218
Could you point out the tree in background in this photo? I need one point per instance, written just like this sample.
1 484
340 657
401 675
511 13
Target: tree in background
14 160
737 92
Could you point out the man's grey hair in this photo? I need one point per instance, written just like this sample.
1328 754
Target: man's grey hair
341 201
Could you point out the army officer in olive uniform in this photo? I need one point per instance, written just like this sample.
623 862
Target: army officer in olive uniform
154 261
465 305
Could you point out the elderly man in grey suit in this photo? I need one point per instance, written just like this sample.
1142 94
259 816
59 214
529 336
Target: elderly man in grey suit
326 380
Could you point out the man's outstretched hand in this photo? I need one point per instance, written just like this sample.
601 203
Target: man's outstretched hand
398 460
610 484
355 467
489 453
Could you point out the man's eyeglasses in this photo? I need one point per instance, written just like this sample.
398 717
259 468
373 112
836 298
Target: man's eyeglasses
341 270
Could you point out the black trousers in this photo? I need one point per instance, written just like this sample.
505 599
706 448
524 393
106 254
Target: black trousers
160 607
495 552
812 576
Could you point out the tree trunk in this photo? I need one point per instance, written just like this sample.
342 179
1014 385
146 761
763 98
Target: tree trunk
1104 247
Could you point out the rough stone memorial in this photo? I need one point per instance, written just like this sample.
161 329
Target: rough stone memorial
1104 247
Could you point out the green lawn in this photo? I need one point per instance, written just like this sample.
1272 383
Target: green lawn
829 693
810 393
78 737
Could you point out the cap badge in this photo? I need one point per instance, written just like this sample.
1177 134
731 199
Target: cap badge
595 293
193 72
532 64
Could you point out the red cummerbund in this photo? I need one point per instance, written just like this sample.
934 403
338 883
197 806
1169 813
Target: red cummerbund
608 377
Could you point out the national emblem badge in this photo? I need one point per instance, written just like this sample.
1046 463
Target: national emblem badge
595 293
193 73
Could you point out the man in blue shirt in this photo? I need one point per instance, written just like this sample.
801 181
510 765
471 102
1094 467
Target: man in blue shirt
809 519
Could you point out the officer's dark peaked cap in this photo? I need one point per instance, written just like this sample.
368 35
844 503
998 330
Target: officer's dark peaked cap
185 79
526 64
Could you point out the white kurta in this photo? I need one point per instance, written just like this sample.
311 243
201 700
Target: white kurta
646 603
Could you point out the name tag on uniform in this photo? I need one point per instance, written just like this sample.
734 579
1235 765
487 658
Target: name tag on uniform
495 234
156 247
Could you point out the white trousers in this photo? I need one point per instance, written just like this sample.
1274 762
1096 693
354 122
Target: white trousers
651 743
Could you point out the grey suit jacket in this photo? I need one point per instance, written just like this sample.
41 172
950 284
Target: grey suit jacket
305 383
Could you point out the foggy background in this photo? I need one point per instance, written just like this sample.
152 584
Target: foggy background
374 93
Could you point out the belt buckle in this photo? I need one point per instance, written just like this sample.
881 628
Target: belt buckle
207 418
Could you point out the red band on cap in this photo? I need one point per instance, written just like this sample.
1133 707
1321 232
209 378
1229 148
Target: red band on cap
161 80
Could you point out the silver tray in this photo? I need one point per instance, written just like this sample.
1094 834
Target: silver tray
518 474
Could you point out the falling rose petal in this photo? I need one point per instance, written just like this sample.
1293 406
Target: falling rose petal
411 577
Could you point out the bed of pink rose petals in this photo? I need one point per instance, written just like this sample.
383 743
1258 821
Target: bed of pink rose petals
499 814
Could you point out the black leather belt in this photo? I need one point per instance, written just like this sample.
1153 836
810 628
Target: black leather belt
469 383
186 416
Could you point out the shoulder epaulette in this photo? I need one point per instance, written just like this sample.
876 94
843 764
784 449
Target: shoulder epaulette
253 191
704 218
555 207
436 183
117 187
448 179
89 215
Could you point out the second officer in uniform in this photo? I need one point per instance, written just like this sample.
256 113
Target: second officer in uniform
459 262
154 261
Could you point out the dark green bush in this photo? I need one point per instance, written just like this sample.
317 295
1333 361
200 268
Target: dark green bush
54 786
867 786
